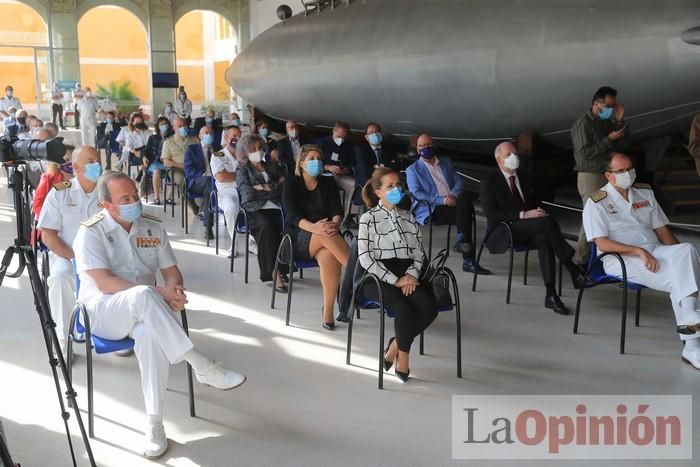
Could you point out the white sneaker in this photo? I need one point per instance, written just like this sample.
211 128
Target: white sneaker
219 377
156 442
689 323
252 246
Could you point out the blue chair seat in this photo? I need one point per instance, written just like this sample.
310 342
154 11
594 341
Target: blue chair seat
103 346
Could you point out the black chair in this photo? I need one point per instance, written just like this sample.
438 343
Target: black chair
169 181
429 222
596 276
359 301
241 228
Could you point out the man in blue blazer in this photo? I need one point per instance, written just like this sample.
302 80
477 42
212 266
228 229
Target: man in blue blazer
198 176
435 181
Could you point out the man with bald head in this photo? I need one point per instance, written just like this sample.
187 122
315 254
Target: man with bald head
66 205
625 218
507 196
435 181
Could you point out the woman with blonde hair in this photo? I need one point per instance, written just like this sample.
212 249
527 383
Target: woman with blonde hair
313 215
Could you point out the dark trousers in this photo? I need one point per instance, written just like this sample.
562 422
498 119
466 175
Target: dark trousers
461 215
266 227
57 110
201 186
545 234
412 314
76 116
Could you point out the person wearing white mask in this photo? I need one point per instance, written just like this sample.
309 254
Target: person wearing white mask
223 168
626 218
78 94
198 177
339 159
169 113
88 106
508 196
290 146
183 106
66 205
9 100
57 105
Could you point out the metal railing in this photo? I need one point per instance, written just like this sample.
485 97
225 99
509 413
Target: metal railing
318 5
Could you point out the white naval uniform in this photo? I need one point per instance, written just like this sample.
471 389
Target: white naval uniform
633 223
227 194
139 312
88 106
6 103
64 207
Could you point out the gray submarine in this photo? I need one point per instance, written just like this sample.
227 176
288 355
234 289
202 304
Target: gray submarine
475 72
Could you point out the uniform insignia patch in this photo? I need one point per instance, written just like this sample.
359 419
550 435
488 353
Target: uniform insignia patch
599 196
62 185
153 218
219 154
641 204
90 221
147 242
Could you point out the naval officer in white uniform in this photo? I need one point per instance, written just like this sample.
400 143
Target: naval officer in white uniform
65 206
118 253
627 219
223 167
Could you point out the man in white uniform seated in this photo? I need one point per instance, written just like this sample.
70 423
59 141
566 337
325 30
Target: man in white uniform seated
65 206
118 253
223 167
628 220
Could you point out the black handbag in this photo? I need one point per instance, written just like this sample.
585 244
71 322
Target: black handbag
435 278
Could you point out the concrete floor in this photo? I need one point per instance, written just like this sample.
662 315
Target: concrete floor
302 405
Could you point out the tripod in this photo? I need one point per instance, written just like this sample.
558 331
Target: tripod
27 260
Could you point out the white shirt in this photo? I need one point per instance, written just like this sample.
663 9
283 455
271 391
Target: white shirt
7 102
224 161
78 93
443 188
65 206
87 106
630 222
134 256
57 96
183 109
132 139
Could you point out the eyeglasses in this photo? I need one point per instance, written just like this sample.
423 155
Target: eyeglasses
620 171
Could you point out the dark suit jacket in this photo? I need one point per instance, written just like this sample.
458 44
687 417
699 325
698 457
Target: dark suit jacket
499 205
247 176
286 155
102 137
195 163
366 159
346 155
215 126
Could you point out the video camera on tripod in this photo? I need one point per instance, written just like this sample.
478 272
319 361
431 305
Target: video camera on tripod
13 150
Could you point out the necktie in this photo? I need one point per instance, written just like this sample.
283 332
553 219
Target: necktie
519 201
378 153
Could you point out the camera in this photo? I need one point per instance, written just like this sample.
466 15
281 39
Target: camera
13 149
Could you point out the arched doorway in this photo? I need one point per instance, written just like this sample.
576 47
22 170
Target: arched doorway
114 57
205 45
24 57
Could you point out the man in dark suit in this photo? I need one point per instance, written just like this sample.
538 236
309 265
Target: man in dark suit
289 147
214 123
339 159
508 196
107 132
373 153
198 177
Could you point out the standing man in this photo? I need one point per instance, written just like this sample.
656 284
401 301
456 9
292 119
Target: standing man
9 100
78 94
223 168
599 132
118 253
66 205
694 144
88 106
626 219
57 105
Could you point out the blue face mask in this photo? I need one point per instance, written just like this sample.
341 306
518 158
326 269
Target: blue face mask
394 196
130 212
208 120
163 128
375 139
207 139
264 132
606 113
427 153
236 122
93 171
314 167
182 131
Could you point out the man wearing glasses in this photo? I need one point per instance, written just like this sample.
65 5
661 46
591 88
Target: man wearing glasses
625 219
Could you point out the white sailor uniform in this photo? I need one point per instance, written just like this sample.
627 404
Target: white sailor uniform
64 207
227 195
608 214
139 312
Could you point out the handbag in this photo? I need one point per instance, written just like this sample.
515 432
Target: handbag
435 278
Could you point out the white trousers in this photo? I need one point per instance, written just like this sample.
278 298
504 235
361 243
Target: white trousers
88 132
678 273
229 203
141 313
61 284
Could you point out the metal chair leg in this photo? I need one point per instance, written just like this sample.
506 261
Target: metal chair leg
638 307
478 259
349 347
430 240
578 309
449 234
421 347
247 251
510 273
380 383
527 257
190 385
623 321
561 275
289 292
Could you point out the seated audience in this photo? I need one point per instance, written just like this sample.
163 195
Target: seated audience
372 154
209 119
133 139
260 185
169 113
53 129
507 195
198 177
183 106
389 246
55 174
314 214
339 159
152 154
627 219
173 152
107 132
289 147
434 180
263 129
223 168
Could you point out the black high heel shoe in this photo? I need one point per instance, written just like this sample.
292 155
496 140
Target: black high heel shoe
387 363
402 376
330 326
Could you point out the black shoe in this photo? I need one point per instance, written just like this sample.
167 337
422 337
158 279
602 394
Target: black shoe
342 318
388 364
282 289
553 302
209 235
402 376
462 247
470 266
578 275
330 326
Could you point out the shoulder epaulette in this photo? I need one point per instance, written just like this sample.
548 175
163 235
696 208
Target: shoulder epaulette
219 154
90 221
599 196
153 218
642 186
62 185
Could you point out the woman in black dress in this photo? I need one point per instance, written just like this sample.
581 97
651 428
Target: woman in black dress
313 213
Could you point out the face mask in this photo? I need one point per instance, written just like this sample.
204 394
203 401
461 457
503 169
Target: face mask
625 180
233 142
142 126
110 120
163 128
427 152
207 139
182 131
169 108
9 94
130 212
93 171
606 113
88 93
236 122
338 141
512 162
292 133
314 167
67 167
208 120
375 139
255 157
264 132
394 196
182 97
